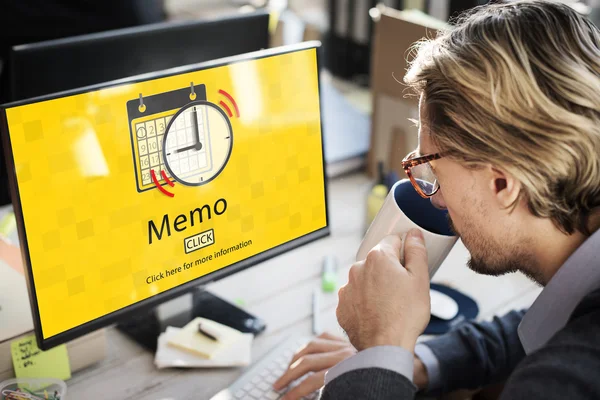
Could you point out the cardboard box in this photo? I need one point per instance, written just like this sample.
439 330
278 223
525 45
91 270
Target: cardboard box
392 134
288 28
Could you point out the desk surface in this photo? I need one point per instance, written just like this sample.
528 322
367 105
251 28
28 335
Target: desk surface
279 291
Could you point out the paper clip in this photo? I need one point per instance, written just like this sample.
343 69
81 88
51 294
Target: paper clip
18 395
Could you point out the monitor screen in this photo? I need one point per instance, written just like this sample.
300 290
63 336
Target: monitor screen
128 194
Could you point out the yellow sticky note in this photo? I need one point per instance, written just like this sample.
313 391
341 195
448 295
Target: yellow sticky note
273 21
8 224
31 362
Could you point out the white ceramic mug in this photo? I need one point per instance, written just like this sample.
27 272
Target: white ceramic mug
403 210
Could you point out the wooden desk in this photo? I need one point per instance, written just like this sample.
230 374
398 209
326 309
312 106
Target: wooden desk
279 291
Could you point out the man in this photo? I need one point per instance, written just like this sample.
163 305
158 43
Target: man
510 109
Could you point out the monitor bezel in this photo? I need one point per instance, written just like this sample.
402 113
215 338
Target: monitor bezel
19 53
148 303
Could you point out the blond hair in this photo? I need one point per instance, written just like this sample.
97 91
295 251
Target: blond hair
517 85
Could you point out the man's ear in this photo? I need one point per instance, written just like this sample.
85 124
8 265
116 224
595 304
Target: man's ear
504 186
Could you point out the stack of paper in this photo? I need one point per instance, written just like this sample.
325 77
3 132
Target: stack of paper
185 347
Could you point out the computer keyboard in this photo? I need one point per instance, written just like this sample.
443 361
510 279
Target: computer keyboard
257 381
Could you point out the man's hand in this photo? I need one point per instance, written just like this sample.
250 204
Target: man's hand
317 357
385 303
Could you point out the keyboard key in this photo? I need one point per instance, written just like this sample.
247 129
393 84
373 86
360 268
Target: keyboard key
277 375
258 384
272 395
273 366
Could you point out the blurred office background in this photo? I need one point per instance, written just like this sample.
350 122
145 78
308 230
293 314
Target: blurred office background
347 29
344 26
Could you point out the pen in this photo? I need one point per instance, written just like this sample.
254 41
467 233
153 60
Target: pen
316 325
206 332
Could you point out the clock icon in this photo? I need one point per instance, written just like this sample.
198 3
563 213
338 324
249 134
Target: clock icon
197 143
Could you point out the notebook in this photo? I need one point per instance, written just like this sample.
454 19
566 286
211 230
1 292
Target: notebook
238 354
188 338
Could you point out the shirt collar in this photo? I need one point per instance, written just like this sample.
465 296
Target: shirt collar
550 312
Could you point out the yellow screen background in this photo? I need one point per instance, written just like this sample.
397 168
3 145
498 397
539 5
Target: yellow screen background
86 223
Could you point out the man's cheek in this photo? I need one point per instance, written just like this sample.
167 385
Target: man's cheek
438 201
456 215
452 225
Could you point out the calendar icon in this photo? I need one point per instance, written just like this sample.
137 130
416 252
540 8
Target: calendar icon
148 120
183 158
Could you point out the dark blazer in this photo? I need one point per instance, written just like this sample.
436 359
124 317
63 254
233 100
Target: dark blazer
567 367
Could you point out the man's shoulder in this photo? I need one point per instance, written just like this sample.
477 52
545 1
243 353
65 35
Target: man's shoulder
580 334
567 366
590 305
584 323
583 327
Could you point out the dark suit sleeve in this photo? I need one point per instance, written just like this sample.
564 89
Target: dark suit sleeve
477 354
568 367
369 383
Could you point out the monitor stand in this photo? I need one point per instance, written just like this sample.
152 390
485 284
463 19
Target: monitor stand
145 327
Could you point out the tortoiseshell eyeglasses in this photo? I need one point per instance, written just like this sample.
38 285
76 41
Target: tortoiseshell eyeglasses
421 174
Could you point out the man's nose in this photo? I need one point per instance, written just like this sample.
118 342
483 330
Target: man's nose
438 200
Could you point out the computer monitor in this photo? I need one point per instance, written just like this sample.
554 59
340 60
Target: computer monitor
128 194
63 64
57 65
